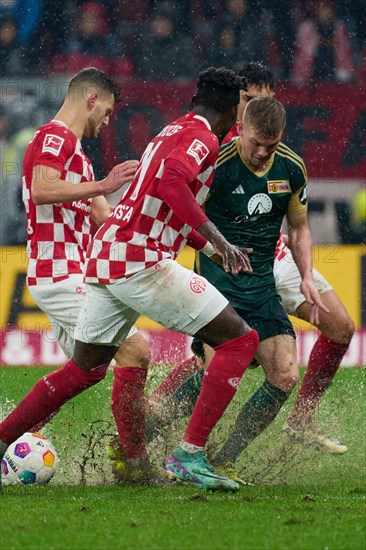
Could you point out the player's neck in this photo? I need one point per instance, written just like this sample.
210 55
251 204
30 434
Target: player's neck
212 116
70 116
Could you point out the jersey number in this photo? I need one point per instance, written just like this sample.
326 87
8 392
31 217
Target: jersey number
145 162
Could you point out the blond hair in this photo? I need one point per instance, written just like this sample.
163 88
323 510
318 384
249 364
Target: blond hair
266 115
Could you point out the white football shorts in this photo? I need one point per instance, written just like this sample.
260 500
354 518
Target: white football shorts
61 302
167 293
288 282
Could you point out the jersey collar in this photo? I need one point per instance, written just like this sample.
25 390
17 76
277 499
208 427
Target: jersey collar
204 120
59 122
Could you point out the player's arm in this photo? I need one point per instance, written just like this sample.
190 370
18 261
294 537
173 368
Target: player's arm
196 241
300 243
100 210
174 189
48 187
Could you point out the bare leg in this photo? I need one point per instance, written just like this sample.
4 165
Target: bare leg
336 325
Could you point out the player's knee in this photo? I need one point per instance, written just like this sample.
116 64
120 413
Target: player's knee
347 330
144 357
286 381
134 352
142 352
341 330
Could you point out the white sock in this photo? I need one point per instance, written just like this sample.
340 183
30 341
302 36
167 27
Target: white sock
189 448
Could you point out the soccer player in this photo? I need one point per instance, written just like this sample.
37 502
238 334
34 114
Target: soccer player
259 81
259 180
61 198
131 270
336 329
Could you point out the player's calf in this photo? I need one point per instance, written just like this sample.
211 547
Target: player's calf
47 396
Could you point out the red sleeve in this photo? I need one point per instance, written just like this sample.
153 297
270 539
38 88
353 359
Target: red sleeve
196 240
55 146
173 188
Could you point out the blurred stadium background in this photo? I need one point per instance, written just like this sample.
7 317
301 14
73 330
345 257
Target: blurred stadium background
155 49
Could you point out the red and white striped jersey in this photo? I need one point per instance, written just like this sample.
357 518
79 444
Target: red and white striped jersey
281 248
58 234
143 229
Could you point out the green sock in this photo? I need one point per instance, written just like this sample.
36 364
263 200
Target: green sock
180 404
185 397
256 415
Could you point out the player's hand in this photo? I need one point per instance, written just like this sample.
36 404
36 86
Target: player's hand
313 298
118 176
245 251
233 259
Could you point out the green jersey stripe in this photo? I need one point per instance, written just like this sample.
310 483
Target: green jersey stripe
226 151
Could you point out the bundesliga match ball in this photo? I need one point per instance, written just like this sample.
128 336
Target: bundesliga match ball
30 459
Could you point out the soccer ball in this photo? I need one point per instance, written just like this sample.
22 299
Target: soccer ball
30 459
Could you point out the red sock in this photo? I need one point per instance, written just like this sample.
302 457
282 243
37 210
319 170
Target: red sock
128 407
46 397
38 427
325 358
219 385
172 382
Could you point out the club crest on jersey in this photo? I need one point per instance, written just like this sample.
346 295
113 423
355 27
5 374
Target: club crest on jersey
259 204
198 151
52 144
278 186
234 382
197 285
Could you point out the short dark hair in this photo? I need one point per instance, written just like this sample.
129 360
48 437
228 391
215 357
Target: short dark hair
96 77
266 115
218 89
258 74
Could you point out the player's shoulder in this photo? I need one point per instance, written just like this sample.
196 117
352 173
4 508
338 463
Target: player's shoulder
197 135
228 151
55 136
58 128
290 157
287 151
191 127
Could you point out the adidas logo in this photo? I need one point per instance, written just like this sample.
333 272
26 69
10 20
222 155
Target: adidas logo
238 191
234 382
